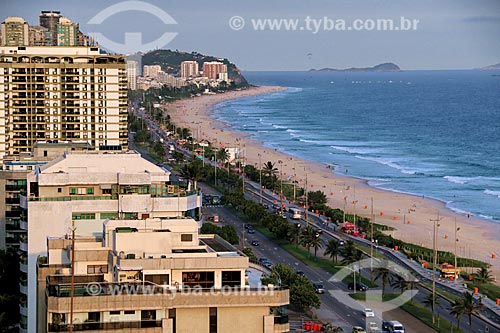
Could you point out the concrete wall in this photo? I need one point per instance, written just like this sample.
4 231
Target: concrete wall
253 319
192 320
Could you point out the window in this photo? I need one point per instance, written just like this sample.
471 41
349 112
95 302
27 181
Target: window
114 313
186 237
130 216
213 320
202 279
106 191
90 190
59 190
110 216
83 216
73 190
159 279
94 317
231 278
44 153
97 269
129 312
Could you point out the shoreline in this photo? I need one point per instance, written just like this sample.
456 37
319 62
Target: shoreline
408 213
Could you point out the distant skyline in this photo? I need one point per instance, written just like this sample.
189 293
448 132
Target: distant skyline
451 34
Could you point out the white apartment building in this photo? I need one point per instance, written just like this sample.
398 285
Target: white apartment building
155 276
151 70
61 93
189 69
81 191
132 67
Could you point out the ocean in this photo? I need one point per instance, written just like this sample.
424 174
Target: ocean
429 133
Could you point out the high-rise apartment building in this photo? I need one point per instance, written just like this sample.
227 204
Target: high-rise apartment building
132 67
13 183
214 70
62 94
50 19
155 276
67 32
189 69
15 32
81 191
151 70
39 36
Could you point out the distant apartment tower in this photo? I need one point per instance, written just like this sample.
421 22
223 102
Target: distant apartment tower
50 20
61 93
152 70
39 36
15 32
212 69
171 280
67 32
189 69
132 67
84 190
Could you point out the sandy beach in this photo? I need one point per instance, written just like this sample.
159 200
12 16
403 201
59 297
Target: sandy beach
411 216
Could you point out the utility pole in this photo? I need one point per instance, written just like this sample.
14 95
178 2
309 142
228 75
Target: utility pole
215 170
260 177
281 185
434 264
307 208
294 183
456 241
72 276
372 239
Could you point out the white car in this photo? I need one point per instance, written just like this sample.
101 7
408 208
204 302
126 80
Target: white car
369 313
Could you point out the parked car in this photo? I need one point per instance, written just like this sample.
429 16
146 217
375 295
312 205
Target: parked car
358 329
300 273
369 313
255 243
395 327
359 286
251 231
263 260
373 327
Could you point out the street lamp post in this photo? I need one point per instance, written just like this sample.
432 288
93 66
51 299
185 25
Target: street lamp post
281 185
456 241
260 177
434 264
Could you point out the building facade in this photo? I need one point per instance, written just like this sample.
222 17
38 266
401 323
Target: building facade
15 32
50 19
132 74
13 183
67 32
189 69
61 93
151 70
161 276
39 36
83 190
214 69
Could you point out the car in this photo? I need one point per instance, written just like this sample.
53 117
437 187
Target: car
268 265
320 289
255 243
251 231
369 313
373 327
358 329
266 206
300 273
359 286
263 260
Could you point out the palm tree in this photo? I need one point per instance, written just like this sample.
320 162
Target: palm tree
457 310
468 306
350 253
316 243
294 233
483 276
428 302
382 272
332 249
222 155
193 171
269 169
306 237
398 282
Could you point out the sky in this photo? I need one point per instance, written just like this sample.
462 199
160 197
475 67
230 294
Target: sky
450 34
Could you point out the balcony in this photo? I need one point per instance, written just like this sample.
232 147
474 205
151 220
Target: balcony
23 246
23 225
107 326
23 309
23 287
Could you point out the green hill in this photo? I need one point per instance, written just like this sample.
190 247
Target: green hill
170 62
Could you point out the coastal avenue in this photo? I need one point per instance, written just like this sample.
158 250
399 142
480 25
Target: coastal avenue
331 310
335 312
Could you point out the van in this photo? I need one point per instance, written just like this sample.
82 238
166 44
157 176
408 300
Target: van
395 327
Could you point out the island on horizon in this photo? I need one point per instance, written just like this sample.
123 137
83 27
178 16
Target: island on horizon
497 66
385 67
